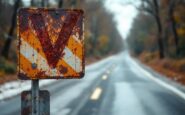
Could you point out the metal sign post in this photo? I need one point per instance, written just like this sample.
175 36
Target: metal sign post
35 97
32 106
50 46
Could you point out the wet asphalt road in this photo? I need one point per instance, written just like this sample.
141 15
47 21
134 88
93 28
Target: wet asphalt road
115 86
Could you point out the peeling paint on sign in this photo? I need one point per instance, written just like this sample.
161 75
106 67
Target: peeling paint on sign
50 43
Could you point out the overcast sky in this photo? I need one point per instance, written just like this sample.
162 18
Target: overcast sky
123 14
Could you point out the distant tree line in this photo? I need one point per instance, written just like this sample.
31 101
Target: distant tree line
159 27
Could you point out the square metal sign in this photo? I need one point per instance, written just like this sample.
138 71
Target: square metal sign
50 43
44 103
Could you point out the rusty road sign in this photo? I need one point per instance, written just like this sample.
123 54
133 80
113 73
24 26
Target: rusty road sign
50 43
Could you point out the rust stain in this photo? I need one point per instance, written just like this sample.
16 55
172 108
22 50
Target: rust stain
23 19
23 76
53 53
63 69
41 73
34 65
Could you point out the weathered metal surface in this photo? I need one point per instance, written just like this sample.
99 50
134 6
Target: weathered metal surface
50 44
35 97
44 103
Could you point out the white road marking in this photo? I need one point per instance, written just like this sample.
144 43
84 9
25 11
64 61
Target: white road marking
160 82
104 77
96 94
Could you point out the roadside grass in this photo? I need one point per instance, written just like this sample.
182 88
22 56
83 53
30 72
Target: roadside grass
7 71
171 68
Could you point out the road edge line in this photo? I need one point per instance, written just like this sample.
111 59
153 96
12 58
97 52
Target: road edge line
159 81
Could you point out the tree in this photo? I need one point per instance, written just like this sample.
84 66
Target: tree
171 9
60 3
44 3
73 3
33 3
5 50
152 7
142 34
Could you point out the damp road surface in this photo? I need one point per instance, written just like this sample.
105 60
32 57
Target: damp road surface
118 85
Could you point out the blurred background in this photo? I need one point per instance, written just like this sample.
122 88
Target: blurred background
121 36
154 32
